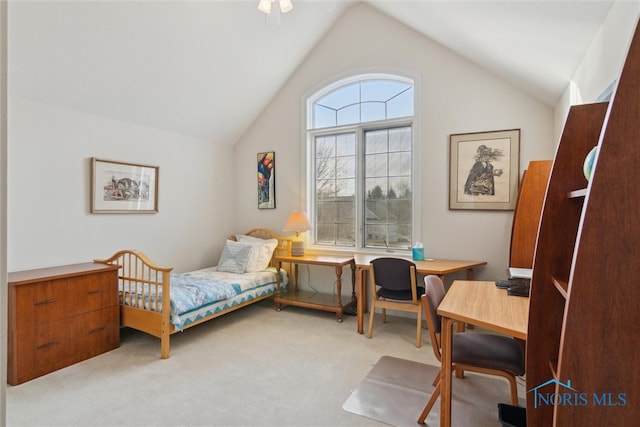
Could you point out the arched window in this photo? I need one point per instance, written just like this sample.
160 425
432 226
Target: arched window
360 152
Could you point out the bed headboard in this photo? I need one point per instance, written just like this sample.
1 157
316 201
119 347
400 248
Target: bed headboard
284 243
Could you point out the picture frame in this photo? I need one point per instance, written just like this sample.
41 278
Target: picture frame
484 170
123 187
267 180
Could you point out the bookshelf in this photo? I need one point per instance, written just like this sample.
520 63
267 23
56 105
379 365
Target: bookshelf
583 332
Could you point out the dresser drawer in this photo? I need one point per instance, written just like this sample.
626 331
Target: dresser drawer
61 298
54 345
59 316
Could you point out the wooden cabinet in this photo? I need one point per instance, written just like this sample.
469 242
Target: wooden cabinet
526 217
583 333
59 316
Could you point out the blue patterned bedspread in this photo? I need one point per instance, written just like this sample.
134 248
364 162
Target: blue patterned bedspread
189 292
193 293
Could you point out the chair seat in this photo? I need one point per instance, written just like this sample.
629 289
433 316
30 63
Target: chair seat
403 295
488 350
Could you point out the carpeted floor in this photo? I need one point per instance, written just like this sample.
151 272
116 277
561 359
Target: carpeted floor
395 391
255 366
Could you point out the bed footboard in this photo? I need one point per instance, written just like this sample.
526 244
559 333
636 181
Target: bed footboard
144 295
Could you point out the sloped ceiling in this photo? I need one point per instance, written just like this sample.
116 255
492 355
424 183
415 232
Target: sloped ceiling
206 69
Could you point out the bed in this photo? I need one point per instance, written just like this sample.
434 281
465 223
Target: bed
245 274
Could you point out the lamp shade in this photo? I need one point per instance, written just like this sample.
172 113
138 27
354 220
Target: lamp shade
285 6
264 6
297 221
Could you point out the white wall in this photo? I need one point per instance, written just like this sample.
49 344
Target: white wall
603 61
49 186
455 96
3 212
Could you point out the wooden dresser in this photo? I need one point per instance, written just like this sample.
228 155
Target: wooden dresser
59 316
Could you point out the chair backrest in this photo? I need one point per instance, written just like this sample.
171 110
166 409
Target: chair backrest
433 295
393 273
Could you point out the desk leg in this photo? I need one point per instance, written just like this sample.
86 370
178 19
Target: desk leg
354 297
278 268
445 380
339 291
362 298
461 326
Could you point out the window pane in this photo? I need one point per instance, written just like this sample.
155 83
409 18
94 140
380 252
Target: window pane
345 95
325 189
376 188
346 144
388 187
325 146
323 117
382 90
401 106
400 139
325 233
376 141
346 235
372 111
346 188
346 210
376 235
363 102
376 165
346 167
399 164
335 188
326 168
349 115
401 187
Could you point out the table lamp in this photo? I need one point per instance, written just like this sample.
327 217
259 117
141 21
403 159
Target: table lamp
297 222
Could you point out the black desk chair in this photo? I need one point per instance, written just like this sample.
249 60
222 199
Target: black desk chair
393 287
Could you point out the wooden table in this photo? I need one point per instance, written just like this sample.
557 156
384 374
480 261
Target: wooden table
439 267
315 300
482 304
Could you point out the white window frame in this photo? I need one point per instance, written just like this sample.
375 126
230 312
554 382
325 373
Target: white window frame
308 173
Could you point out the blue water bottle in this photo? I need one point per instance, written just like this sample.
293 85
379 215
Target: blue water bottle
418 251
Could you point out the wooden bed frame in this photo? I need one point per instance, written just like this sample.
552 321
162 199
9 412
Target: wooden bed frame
139 275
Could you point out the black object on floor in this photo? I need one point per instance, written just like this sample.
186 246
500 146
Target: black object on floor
350 311
512 416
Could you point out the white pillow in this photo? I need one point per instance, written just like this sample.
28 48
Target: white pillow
234 257
262 249
255 256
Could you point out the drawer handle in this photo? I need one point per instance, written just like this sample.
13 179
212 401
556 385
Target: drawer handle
98 291
47 345
93 331
47 301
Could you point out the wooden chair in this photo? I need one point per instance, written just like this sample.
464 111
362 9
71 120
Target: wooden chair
485 353
393 287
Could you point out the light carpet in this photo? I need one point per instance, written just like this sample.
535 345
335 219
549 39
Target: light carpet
396 390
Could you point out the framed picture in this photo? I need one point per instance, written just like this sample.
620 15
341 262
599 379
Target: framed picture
484 170
267 180
121 187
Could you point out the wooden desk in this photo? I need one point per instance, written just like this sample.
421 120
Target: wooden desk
477 303
316 300
439 267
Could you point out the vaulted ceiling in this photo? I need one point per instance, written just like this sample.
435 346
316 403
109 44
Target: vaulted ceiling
206 69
